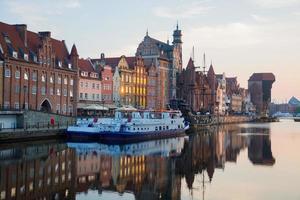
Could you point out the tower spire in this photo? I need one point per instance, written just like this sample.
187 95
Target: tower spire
177 25
147 32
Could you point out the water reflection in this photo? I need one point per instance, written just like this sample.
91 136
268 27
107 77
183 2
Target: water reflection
157 169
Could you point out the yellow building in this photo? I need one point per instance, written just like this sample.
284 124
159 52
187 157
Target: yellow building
140 83
129 80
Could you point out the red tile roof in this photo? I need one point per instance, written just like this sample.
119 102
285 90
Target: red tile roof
13 35
262 77
85 65
34 42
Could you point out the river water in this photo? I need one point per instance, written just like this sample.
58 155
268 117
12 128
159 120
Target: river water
245 161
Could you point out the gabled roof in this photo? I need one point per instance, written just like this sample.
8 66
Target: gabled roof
74 50
85 65
190 63
34 42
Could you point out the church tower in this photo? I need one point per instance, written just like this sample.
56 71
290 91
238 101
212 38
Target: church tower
177 49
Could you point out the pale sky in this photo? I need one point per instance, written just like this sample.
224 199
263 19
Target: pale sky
239 36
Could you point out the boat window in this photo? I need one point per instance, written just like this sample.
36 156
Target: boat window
141 128
178 126
160 128
134 129
167 127
171 121
129 129
138 128
156 128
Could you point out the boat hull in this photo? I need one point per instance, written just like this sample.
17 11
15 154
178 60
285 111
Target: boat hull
123 137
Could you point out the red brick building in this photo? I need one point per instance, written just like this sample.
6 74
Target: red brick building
39 73
197 89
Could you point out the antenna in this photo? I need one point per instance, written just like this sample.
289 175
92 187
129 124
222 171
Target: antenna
193 54
204 64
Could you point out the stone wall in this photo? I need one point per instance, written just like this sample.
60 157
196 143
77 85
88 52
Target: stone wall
36 118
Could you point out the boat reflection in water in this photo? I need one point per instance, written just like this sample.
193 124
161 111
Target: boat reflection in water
159 169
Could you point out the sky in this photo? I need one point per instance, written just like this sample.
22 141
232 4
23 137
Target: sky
239 37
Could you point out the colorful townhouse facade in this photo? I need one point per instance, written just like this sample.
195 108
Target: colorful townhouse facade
129 80
39 73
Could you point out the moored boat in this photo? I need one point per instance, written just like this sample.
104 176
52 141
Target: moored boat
130 127
297 119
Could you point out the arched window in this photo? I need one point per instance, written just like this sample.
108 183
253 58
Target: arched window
17 74
26 76
43 78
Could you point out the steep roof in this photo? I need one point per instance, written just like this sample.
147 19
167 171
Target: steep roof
262 77
74 50
162 45
190 63
85 65
33 40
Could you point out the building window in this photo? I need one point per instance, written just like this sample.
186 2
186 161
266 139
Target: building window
86 84
71 93
17 89
58 108
13 192
98 96
65 108
26 76
2 195
93 95
58 92
34 76
7 72
43 78
17 105
15 54
71 81
59 80
93 85
85 95
43 90
81 95
33 89
65 92
6 104
70 108
66 81
17 74
51 79
81 84
51 91
25 56
98 86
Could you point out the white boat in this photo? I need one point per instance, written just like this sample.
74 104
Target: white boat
137 125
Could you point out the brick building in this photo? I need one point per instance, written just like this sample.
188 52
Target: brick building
259 86
197 89
39 73
167 59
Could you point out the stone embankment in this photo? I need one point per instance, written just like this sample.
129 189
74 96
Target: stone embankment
35 125
209 120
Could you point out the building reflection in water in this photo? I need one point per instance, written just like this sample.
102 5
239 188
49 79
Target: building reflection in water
149 170
39 171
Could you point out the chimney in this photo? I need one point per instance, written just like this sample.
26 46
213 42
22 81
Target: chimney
22 30
45 34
